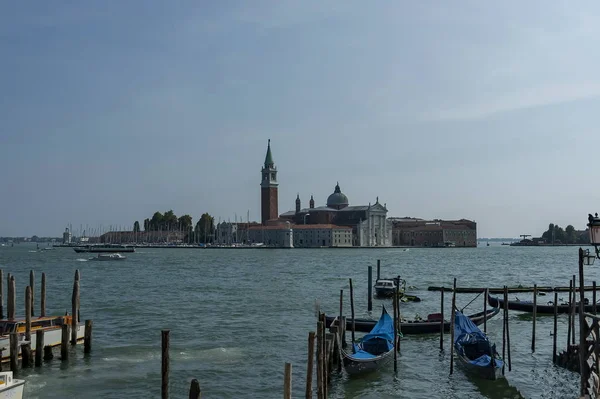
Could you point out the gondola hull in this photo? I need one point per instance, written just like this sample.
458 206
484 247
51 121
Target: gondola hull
355 366
527 306
412 327
486 373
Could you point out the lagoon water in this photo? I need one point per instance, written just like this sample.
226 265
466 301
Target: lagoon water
236 316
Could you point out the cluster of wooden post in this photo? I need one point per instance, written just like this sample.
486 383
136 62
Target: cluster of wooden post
194 392
29 357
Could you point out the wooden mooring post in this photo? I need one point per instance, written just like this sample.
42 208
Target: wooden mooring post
39 347
1 294
370 289
64 343
582 327
14 351
487 291
453 312
43 297
164 371
378 269
507 324
309 364
287 381
573 310
26 346
554 332
319 360
195 392
87 337
534 317
75 310
593 297
352 309
395 306
442 320
569 324
12 298
32 285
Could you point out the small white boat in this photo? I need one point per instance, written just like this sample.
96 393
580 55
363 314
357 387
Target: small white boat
109 257
9 387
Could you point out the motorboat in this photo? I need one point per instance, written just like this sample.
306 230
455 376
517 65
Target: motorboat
385 288
109 257
10 387
104 248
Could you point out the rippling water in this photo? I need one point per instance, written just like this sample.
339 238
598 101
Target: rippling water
236 316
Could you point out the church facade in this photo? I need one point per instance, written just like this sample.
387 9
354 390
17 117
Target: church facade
335 224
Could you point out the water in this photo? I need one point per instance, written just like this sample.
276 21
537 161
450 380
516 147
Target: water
236 316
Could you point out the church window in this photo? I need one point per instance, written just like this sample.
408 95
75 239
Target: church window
272 176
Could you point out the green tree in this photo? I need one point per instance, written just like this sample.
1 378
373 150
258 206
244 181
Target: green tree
185 223
146 224
570 236
156 221
205 228
136 227
169 221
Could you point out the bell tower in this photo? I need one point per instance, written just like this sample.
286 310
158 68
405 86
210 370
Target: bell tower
268 188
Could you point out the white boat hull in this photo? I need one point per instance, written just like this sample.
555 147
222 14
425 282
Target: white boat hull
52 337
10 388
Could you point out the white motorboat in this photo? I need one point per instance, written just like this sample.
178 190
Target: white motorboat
109 257
10 387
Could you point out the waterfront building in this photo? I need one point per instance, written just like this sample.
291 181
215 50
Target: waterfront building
276 235
433 233
368 223
322 235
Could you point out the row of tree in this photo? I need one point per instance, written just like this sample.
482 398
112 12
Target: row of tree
555 234
203 231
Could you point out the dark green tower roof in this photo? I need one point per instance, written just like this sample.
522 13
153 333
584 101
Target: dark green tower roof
269 158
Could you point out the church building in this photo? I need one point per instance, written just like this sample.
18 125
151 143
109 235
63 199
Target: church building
335 224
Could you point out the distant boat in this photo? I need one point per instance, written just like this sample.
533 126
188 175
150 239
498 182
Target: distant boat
106 257
104 248
488 244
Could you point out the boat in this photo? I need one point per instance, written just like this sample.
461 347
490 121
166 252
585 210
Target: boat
384 288
51 325
10 387
105 257
474 350
407 327
548 308
104 248
373 350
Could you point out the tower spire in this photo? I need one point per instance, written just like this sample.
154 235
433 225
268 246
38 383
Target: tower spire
269 157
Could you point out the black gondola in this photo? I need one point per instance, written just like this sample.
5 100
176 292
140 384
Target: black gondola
527 306
429 326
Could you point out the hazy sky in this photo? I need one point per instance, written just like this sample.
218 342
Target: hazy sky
111 110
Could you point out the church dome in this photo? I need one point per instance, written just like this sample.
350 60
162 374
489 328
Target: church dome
337 200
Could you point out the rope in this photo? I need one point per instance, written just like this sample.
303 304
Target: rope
464 307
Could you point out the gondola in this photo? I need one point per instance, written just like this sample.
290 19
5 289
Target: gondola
527 306
429 326
474 350
373 350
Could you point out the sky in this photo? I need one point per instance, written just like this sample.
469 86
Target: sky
112 110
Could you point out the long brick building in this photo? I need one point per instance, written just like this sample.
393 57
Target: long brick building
433 233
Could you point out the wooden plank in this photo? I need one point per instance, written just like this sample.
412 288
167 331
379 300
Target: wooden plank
309 364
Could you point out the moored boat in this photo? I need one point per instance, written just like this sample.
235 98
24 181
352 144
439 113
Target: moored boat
474 350
10 387
527 306
105 248
52 327
429 326
105 257
373 350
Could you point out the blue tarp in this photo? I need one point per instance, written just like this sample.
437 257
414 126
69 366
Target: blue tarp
468 335
380 340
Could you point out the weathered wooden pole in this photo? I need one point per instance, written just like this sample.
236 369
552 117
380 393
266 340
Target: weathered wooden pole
504 332
378 269
582 328
352 310
341 307
309 364
32 285
74 313
507 329
324 365
487 292
398 317
39 347
48 354
87 337
26 349
569 324
43 297
12 298
442 319
395 307
370 289
64 342
287 381
453 312
164 372
319 360
574 309
534 317
14 351
195 392
1 294
593 296
554 332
